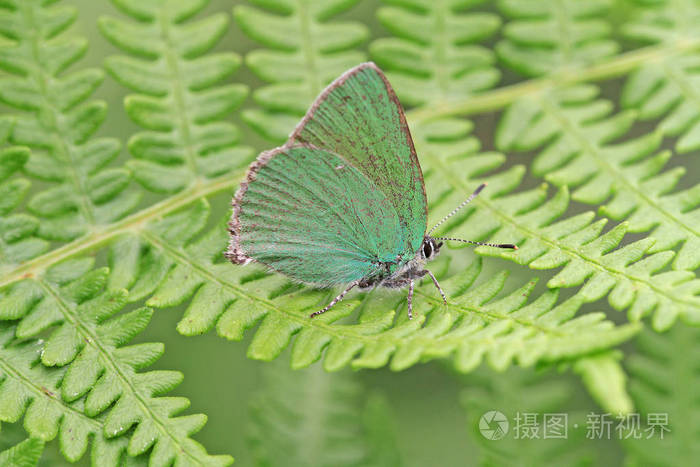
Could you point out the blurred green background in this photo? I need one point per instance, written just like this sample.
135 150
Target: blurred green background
432 425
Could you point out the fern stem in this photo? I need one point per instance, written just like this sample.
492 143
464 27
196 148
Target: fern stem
101 236
501 97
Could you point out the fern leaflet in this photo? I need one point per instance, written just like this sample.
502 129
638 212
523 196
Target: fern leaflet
513 394
24 454
58 123
528 219
433 55
17 231
556 36
661 382
574 130
306 53
667 89
87 339
310 417
180 102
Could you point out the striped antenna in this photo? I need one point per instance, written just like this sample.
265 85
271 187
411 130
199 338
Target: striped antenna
464 203
495 245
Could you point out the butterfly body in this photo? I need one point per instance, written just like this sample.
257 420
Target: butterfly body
343 201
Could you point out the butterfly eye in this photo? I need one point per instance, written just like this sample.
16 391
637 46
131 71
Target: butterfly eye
427 250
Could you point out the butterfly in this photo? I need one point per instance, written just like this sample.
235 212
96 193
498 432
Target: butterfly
343 201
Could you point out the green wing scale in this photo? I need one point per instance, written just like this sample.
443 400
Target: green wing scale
342 196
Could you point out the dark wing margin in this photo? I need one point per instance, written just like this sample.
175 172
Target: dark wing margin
359 117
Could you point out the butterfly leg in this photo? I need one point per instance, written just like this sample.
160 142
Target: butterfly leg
437 284
410 300
335 300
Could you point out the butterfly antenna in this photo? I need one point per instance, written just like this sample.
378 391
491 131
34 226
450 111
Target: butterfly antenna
464 203
496 245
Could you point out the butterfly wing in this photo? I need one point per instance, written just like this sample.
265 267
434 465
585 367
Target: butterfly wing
359 117
311 215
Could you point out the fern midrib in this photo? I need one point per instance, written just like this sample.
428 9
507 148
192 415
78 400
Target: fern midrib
92 339
312 422
688 395
594 150
503 96
494 316
507 219
40 391
66 149
564 26
308 48
174 73
440 45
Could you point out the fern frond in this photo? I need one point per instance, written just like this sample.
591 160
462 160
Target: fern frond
573 130
667 88
515 393
664 376
606 381
58 122
660 21
311 417
305 52
550 37
24 454
17 231
171 265
88 338
180 101
453 167
432 59
32 390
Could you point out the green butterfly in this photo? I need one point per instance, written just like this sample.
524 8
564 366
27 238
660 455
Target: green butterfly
343 201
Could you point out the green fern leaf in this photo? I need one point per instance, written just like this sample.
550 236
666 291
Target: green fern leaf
306 53
58 122
170 264
572 131
34 391
310 417
514 394
88 339
668 88
17 240
180 101
433 55
25 454
606 381
529 219
661 382
551 37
